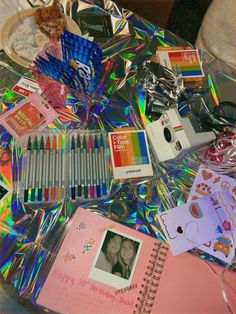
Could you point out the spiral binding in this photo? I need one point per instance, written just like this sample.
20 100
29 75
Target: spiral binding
152 279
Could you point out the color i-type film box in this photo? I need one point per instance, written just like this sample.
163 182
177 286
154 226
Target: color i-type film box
185 62
129 154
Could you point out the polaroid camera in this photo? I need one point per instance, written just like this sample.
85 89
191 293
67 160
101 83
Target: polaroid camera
171 135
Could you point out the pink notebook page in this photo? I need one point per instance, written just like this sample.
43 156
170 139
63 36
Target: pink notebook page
189 286
75 283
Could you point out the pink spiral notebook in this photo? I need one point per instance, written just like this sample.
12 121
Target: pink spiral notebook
86 278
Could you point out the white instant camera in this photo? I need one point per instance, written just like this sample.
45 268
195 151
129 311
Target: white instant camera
171 135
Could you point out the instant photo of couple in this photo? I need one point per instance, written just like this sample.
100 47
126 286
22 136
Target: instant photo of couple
117 255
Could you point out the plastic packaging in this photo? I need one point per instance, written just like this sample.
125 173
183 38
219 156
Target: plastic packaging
43 167
89 165
45 175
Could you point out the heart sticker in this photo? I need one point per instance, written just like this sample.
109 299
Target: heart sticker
207 244
179 229
206 175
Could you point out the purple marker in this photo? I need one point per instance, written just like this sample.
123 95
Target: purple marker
103 165
79 165
90 166
98 167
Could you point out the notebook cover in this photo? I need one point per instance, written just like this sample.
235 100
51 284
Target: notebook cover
189 285
76 285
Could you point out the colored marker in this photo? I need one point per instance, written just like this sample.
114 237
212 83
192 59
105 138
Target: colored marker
50 179
82 170
88 170
59 167
84 149
46 170
40 168
72 168
94 166
103 165
53 168
34 168
98 170
80 166
76 171
27 170
14 169
90 165
62 165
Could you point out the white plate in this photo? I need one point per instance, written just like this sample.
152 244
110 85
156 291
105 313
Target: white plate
11 24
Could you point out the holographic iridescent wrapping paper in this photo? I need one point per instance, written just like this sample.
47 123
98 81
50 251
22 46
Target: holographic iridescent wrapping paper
29 234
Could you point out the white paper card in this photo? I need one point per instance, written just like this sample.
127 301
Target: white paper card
197 222
208 181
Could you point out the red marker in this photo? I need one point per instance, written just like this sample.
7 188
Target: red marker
59 168
53 169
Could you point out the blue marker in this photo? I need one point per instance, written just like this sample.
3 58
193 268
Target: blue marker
27 170
84 163
79 165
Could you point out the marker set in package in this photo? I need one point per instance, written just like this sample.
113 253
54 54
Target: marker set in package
88 164
43 167
81 64
57 165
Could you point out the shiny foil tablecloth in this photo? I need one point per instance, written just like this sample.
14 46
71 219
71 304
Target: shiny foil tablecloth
31 234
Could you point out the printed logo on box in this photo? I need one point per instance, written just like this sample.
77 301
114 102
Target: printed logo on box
26 87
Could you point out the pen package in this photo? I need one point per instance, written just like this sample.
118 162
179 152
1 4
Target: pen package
89 164
43 167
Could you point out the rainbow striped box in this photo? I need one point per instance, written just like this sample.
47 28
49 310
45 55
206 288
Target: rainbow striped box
185 62
129 154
